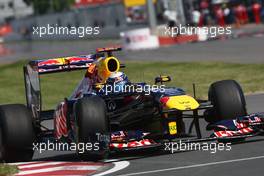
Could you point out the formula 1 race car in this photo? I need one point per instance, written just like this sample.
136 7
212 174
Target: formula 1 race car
112 114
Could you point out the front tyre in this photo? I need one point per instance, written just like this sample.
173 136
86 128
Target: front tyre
92 127
16 133
228 100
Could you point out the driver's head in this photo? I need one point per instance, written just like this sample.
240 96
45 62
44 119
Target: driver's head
118 78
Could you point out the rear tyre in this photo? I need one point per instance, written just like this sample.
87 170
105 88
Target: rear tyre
90 113
16 133
228 100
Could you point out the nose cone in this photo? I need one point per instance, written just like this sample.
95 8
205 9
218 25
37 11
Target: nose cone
181 102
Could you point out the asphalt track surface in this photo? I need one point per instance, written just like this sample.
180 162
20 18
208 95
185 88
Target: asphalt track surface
240 50
244 159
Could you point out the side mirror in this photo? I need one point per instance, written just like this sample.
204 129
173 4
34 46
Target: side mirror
162 79
122 66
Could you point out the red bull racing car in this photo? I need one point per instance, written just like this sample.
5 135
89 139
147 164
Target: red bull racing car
112 114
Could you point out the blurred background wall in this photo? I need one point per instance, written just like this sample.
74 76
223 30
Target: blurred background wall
17 17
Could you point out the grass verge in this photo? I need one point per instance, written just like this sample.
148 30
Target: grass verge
57 86
7 170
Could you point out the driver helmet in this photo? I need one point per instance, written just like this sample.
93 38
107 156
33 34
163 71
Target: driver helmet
118 79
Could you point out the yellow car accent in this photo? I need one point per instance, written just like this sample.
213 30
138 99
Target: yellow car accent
182 102
165 78
107 66
99 86
173 128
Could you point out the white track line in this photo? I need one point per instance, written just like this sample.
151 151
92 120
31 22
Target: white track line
21 163
40 164
117 167
60 168
194 166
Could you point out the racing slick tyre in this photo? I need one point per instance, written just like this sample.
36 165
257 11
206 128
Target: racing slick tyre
16 133
92 128
228 100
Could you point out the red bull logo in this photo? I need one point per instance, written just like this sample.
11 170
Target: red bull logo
50 62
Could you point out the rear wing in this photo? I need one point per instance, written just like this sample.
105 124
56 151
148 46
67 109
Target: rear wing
62 64
70 63
35 68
